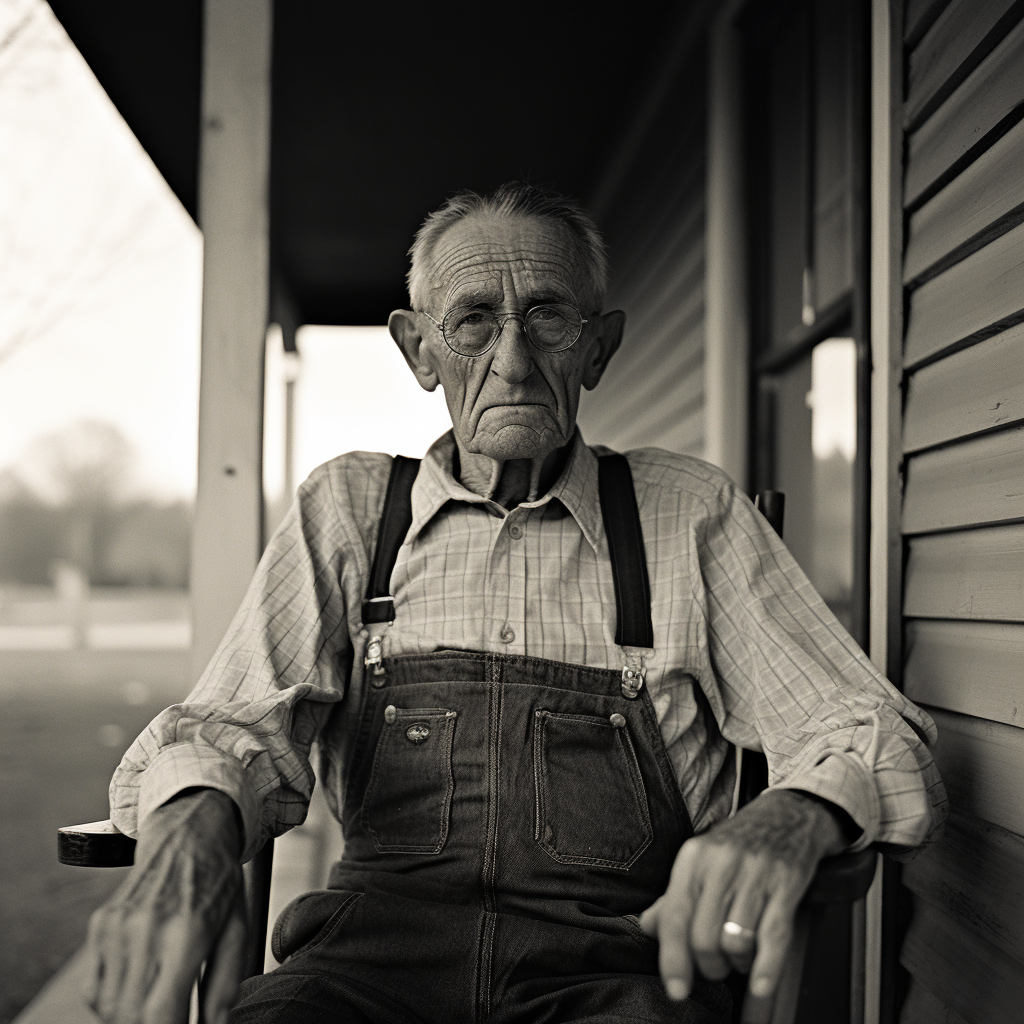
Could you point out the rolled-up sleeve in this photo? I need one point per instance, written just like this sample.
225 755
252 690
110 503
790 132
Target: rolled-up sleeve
247 727
785 676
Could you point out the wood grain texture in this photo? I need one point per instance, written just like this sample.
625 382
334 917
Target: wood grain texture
985 193
976 389
992 91
984 289
922 1006
978 980
978 481
973 668
982 765
960 39
970 574
975 874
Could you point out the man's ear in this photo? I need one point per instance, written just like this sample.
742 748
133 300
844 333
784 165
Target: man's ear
605 343
404 327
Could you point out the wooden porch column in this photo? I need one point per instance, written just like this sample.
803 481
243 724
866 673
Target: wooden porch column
234 163
726 360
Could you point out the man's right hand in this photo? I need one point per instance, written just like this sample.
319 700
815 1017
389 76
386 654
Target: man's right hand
182 903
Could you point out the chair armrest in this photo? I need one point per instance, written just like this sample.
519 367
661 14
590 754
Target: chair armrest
97 844
844 878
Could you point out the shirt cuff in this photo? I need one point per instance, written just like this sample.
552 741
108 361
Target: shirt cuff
842 779
186 765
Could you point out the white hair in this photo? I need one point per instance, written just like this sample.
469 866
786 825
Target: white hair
512 199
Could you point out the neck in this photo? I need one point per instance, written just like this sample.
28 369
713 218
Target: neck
511 482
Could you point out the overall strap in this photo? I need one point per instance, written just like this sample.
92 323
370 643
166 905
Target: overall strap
395 521
626 547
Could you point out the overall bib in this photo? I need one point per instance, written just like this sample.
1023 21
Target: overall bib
505 819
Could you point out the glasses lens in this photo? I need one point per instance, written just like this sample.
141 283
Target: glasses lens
553 327
469 331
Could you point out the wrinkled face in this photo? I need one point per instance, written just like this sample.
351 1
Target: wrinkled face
512 402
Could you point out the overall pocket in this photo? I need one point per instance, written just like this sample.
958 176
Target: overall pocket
591 807
405 809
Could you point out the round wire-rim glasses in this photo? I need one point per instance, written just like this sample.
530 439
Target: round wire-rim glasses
471 331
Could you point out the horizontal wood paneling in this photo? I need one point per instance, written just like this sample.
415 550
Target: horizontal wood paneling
975 874
976 389
989 94
984 194
922 1006
963 35
974 668
984 289
982 765
970 574
977 481
919 15
975 978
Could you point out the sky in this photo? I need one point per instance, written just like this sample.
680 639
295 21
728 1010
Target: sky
100 288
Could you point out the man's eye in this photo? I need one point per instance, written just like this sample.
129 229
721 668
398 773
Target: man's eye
543 313
472 319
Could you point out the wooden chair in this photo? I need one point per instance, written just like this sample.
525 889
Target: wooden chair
839 880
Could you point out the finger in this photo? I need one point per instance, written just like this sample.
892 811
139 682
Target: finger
675 919
746 910
140 968
107 993
225 968
649 919
774 934
715 898
180 956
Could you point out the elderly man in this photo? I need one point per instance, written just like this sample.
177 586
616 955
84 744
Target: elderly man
523 663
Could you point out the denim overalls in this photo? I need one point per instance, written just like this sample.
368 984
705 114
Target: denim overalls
505 819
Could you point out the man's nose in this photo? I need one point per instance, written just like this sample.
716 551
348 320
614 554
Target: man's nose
513 358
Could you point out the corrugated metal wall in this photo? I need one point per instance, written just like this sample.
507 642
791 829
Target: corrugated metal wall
963 441
653 391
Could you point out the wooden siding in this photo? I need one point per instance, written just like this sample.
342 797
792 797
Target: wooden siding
963 499
653 391
958 131
975 390
969 209
973 668
979 293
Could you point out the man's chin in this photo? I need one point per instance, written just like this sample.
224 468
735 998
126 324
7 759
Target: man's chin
509 441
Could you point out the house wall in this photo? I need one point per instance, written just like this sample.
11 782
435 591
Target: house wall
653 390
963 497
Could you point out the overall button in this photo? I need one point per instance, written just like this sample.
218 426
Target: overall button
390 714
507 635
515 531
617 720
417 733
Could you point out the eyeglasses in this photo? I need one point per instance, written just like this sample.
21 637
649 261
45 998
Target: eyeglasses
469 331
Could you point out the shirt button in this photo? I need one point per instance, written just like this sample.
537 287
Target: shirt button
515 531
507 635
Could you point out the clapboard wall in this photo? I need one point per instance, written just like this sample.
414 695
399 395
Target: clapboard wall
963 511
653 391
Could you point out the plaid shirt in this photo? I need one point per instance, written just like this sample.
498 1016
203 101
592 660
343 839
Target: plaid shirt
745 653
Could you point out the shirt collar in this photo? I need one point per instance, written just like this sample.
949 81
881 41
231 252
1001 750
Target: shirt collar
576 487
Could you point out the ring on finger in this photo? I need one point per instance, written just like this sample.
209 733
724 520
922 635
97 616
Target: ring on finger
738 931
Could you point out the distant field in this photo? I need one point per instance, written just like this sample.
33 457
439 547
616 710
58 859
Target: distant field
65 719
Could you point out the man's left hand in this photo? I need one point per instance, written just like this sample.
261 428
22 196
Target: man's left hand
733 893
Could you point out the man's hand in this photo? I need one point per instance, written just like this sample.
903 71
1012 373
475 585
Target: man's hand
182 900
750 871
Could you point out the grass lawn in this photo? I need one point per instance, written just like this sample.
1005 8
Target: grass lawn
65 719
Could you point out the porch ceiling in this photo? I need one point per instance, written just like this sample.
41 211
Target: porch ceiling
380 110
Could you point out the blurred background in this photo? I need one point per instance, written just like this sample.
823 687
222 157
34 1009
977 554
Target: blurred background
100 278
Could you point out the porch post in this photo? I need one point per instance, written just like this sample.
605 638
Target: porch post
886 331
234 163
726 349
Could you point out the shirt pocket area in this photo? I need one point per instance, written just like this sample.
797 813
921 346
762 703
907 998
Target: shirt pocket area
591 806
407 801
